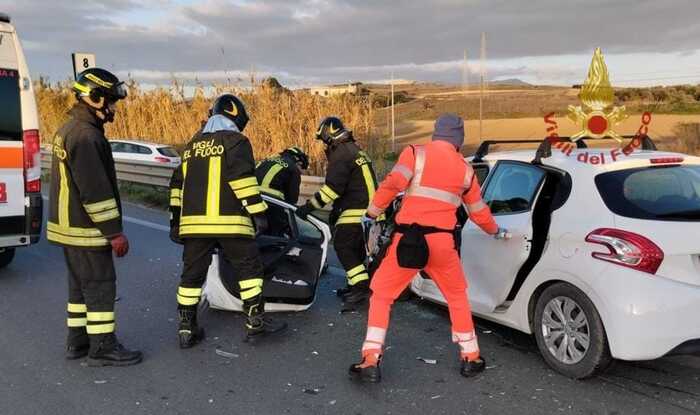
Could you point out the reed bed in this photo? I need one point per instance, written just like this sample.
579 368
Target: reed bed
279 118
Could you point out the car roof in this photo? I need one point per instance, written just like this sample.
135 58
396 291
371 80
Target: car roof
6 27
137 142
581 159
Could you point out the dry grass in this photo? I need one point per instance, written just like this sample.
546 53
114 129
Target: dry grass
279 119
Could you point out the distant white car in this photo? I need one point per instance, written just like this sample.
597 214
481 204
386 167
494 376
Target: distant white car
604 260
129 150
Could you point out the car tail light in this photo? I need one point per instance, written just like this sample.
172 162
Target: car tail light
162 159
627 249
666 160
32 161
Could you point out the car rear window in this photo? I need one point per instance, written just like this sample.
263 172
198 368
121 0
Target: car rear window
10 110
669 193
168 151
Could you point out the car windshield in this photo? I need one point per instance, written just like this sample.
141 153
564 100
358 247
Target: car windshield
10 116
168 151
658 193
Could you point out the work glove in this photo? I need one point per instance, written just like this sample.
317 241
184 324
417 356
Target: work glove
175 225
502 233
120 245
261 225
175 235
304 210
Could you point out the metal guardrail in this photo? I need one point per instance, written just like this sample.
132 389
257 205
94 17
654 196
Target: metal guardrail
156 174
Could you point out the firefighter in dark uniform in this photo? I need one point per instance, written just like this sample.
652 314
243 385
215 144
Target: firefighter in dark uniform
280 176
85 218
215 202
350 184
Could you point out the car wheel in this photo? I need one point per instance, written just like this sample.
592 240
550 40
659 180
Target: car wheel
6 256
570 333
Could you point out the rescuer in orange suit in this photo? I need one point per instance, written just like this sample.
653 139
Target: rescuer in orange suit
436 180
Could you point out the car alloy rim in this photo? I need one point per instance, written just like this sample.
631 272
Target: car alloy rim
565 330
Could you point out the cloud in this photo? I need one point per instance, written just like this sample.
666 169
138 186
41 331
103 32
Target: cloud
338 40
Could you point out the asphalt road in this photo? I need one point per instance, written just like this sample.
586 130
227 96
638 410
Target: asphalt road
303 373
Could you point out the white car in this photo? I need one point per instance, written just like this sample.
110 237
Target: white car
130 150
20 152
604 259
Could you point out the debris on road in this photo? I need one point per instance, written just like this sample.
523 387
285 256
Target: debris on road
226 354
314 353
428 361
100 382
436 397
311 391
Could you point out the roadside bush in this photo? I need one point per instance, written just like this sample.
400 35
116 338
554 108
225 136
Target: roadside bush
686 139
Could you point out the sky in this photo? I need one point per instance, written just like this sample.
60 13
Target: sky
311 42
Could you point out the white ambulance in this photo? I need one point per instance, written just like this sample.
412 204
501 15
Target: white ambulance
20 150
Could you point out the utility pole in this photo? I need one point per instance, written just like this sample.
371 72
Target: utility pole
481 87
465 74
393 117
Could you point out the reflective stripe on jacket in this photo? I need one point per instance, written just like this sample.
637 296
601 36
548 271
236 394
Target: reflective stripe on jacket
436 179
214 192
350 183
84 204
279 177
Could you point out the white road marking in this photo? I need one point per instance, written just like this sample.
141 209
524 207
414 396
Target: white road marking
138 221
146 224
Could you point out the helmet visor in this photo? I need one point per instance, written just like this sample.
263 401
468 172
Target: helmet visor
119 91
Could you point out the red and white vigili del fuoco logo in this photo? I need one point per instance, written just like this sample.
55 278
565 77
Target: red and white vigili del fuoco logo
597 117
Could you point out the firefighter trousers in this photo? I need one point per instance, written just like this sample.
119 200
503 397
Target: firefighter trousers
241 252
349 244
445 269
92 289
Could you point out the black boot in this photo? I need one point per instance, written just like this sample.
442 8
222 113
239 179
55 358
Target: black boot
358 293
472 368
189 331
258 325
78 343
105 350
363 373
342 292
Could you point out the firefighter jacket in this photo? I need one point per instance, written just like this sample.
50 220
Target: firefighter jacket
350 183
84 205
214 191
279 177
437 180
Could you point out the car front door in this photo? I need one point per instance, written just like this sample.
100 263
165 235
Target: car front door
294 253
491 265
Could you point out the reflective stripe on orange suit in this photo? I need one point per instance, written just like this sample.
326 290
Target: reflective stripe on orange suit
432 196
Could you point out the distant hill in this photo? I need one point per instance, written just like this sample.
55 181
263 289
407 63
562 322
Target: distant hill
511 81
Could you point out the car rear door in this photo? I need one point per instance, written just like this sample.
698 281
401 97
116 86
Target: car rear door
491 265
12 196
144 153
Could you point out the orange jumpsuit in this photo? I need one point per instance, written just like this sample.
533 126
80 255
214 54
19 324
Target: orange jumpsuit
437 180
